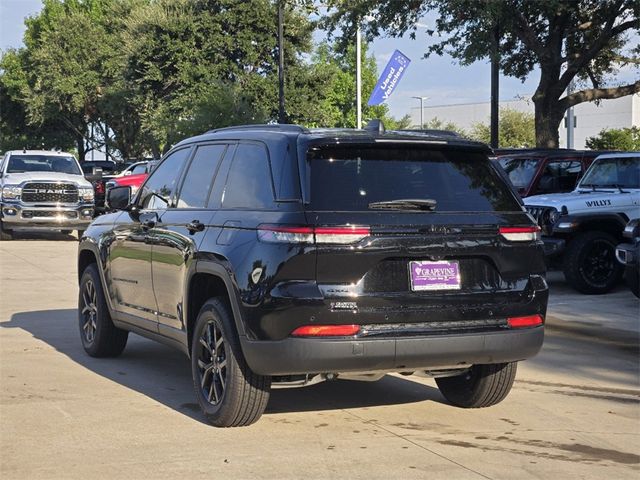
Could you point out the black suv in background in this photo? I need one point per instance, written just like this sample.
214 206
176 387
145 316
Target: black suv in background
274 254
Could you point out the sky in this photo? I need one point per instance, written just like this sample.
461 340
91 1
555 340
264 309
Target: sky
439 78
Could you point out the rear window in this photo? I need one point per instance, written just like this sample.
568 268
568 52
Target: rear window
350 178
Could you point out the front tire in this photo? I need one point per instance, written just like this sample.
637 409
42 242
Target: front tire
100 337
5 234
230 394
590 264
481 386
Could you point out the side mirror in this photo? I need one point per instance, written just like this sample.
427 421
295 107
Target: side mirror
119 198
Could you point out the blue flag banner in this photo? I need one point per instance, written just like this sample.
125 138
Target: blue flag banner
390 78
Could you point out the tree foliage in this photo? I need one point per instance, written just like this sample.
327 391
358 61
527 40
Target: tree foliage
626 139
436 124
516 130
581 41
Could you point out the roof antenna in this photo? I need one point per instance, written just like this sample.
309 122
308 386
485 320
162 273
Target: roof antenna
375 127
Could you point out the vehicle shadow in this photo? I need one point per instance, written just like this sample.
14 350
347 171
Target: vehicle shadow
42 235
164 374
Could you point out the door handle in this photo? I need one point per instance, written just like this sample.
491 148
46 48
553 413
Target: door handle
195 226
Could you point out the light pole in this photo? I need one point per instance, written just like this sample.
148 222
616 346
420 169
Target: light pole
358 80
422 99
282 116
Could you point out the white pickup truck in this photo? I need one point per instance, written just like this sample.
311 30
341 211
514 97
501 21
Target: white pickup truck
581 229
43 190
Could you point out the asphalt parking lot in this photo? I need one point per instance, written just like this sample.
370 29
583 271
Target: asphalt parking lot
574 411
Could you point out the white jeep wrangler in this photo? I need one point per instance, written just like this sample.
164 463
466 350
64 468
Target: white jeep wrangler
581 229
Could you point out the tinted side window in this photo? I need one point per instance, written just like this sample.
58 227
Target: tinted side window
249 183
142 168
162 183
199 178
560 176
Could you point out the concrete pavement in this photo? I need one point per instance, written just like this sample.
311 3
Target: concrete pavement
574 411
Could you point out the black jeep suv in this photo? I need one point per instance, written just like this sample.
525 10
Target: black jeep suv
278 255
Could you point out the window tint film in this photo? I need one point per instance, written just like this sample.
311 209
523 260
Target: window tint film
350 178
249 183
613 172
199 178
161 184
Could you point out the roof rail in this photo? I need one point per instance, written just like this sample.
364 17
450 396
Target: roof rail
284 127
375 126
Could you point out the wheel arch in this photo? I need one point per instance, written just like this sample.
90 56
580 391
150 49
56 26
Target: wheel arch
86 257
611 223
209 280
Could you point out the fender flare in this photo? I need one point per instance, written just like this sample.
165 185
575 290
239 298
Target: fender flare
579 219
218 270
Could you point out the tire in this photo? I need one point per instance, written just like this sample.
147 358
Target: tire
230 394
481 386
100 337
590 264
5 234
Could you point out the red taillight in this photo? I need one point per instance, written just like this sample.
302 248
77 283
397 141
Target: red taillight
523 322
303 234
99 187
520 234
326 331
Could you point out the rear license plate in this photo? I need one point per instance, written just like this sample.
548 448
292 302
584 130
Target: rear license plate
442 275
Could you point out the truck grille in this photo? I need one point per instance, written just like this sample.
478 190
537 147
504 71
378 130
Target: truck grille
540 214
50 193
48 214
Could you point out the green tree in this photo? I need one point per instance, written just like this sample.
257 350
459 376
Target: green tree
581 41
436 124
516 130
15 130
338 94
626 139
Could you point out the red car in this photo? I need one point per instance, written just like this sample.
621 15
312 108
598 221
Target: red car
134 181
541 171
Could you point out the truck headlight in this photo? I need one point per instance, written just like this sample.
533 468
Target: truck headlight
554 216
11 192
86 194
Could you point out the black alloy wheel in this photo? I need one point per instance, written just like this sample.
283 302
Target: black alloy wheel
589 263
89 312
212 363
100 337
229 393
599 261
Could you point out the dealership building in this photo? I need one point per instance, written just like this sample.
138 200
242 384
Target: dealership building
590 118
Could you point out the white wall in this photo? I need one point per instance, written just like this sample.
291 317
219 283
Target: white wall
590 118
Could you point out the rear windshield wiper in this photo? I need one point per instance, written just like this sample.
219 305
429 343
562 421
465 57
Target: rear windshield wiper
405 204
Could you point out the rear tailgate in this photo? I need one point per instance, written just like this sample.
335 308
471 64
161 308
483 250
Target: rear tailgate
439 267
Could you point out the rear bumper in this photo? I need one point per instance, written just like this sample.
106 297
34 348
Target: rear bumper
304 355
